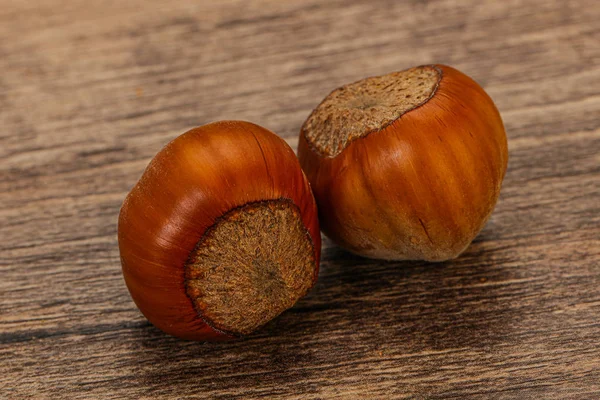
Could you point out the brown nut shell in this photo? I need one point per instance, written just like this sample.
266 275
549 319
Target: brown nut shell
219 192
422 184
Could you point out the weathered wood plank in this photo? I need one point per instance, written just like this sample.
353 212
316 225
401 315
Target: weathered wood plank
90 92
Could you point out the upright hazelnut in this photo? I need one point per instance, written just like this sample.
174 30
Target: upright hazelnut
220 234
406 165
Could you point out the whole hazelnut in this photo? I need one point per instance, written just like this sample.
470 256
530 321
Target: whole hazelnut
407 165
220 234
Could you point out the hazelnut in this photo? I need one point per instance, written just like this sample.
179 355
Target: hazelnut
220 234
406 165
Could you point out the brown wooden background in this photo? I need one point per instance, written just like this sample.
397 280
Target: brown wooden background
90 91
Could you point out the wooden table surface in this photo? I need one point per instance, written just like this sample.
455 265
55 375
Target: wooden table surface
89 92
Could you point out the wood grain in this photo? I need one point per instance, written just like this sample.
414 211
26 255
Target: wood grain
89 92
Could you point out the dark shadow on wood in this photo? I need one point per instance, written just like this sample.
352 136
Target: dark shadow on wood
361 309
